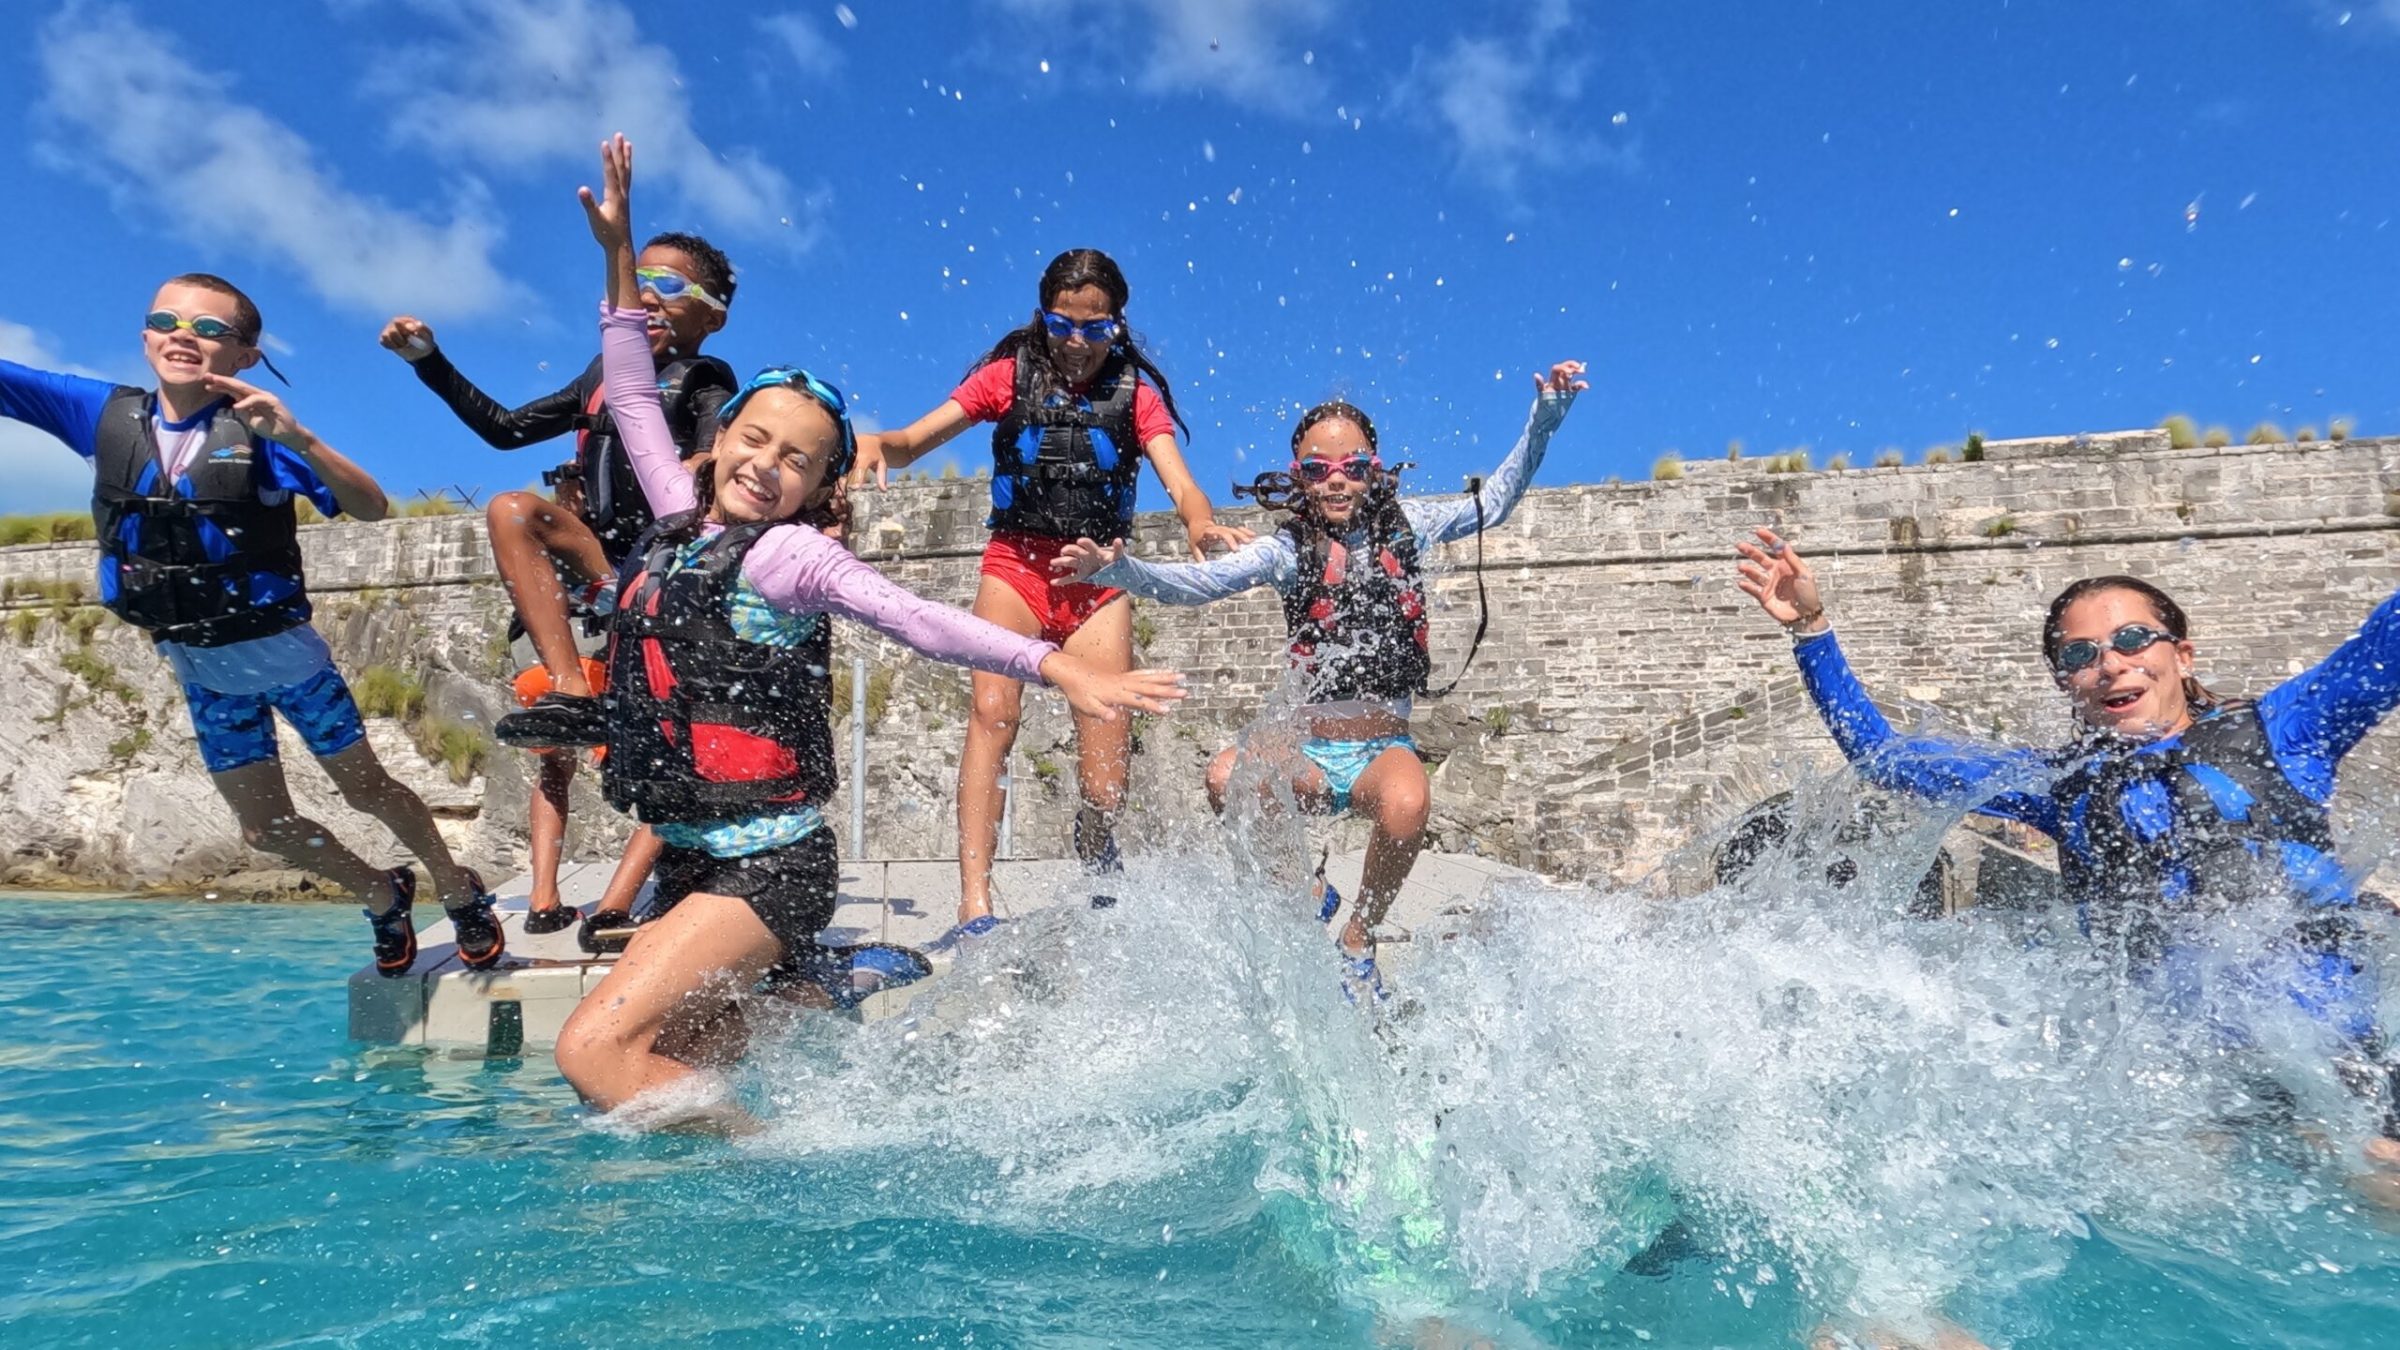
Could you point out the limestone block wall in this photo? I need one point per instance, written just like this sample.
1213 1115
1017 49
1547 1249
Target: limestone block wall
1627 698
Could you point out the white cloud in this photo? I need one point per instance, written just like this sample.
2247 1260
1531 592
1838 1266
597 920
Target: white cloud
1247 50
811 50
136 112
1512 102
525 84
37 471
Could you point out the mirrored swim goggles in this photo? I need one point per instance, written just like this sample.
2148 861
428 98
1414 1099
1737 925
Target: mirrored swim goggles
2082 653
1356 468
1099 332
817 391
668 284
203 326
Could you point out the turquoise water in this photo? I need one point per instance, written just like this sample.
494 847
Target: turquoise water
1686 1125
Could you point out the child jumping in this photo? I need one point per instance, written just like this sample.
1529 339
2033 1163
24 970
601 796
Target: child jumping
194 484
1074 419
687 286
1348 564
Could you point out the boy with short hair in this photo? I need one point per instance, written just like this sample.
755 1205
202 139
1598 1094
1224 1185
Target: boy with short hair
599 513
194 489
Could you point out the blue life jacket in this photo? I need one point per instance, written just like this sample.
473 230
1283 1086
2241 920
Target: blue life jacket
205 566
1066 467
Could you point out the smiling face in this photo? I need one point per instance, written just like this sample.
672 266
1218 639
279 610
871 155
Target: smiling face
181 357
1336 439
678 326
2139 696
771 463
1077 357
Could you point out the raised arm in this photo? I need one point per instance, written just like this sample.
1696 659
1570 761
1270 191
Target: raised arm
550 416
1267 560
625 365
2320 715
880 453
1441 522
1996 781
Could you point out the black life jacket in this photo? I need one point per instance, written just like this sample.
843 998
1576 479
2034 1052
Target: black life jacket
613 504
703 724
1357 623
1068 467
2234 825
207 569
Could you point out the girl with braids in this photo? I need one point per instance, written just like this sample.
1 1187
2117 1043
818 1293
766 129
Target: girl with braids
1348 566
1076 408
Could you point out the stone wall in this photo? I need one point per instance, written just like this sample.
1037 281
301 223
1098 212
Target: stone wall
1627 698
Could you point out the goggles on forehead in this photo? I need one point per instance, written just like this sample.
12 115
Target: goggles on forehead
1099 332
2083 653
1356 468
808 386
668 284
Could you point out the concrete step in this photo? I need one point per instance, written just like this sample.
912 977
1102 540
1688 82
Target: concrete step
519 1006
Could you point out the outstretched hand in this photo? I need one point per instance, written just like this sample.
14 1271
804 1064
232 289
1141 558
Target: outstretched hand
870 463
409 336
1564 378
259 410
1107 694
1221 538
611 214
1083 559
1773 574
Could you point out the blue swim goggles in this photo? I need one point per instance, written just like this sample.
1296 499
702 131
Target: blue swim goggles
1098 332
670 284
801 382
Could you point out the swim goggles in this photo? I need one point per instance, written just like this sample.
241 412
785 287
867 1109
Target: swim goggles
669 284
2133 637
205 326
817 391
1098 331
1357 468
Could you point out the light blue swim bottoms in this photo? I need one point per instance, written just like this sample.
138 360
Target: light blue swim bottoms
1343 761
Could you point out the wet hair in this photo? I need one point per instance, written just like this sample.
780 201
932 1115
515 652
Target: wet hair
716 270
245 310
1333 410
1073 270
2170 616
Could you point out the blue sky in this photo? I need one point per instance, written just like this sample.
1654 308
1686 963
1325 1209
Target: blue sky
1837 225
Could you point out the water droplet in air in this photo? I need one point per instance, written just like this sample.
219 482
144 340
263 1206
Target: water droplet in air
1208 151
843 16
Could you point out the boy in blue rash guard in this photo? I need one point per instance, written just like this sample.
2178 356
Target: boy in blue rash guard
1346 565
194 489
2172 805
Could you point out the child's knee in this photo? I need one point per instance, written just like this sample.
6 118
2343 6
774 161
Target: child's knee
512 513
1220 778
996 710
1405 806
585 1053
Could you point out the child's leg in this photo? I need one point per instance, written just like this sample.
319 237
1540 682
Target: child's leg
991 734
1394 795
526 533
237 743
625 884
1103 750
372 792
681 974
262 805
555 773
